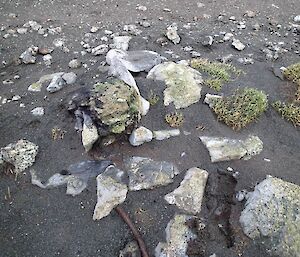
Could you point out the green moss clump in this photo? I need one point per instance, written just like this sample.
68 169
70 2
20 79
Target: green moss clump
240 109
174 119
292 73
153 98
218 73
290 112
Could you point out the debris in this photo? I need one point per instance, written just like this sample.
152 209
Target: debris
174 119
131 249
250 14
16 98
238 45
28 57
271 215
121 42
37 86
76 176
141 8
56 84
226 149
145 173
165 134
183 83
172 35
178 236
140 135
74 64
38 111
20 154
188 196
111 191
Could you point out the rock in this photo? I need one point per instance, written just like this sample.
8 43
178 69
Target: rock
45 50
165 134
207 41
89 136
47 59
56 84
278 72
145 173
131 250
183 83
140 135
188 196
245 60
74 64
69 77
121 42
20 154
271 216
100 49
37 86
28 57
250 14
172 35
228 36
132 29
145 24
238 45
141 8
178 236
210 99
38 111
94 29
297 19
225 149
111 191
22 30
16 98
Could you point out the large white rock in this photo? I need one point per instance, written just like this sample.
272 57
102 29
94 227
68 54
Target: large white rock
140 135
188 196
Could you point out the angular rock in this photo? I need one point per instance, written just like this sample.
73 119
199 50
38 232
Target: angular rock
188 196
297 19
37 86
28 57
145 173
69 77
238 45
111 191
165 134
183 83
100 49
172 35
140 136
47 59
131 250
226 149
56 84
121 42
271 216
178 236
89 136
20 154
74 64
38 111
132 29
210 99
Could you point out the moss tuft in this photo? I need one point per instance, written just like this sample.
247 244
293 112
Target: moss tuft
174 119
289 112
292 73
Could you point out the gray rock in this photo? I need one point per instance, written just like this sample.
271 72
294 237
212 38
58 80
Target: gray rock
245 60
89 136
28 57
56 84
20 154
131 250
238 45
297 19
178 236
188 196
74 64
228 36
210 99
172 35
38 111
121 42
225 149
100 49
69 77
22 30
132 29
145 173
207 41
140 136
37 86
94 29
165 134
111 191
271 216
183 83
47 59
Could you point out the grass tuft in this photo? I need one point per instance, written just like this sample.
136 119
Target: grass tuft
292 73
289 112
174 119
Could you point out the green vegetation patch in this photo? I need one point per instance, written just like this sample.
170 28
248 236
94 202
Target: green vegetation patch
174 119
292 73
289 112
217 73
240 109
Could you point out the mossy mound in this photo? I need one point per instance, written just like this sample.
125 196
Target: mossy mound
174 119
242 108
292 73
289 112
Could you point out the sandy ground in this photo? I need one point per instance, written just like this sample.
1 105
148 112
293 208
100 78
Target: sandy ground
37 222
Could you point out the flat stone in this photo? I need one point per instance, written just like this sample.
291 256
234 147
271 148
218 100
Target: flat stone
188 196
37 86
56 84
121 42
210 99
145 173
183 84
172 35
69 77
238 45
38 111
271 216
165 134
297 19
100 49
140 136
178 236
89 136
28 57
226 149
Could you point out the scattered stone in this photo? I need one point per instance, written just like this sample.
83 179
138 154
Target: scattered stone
37 86
47 59
225 149
100 49
45 50
145 24
38 111
111 191
238 45
89 136
141 8
121 42
16 98
132 29
69 77
207 41
271 215
59 42
245 60
7 82
297 19
178 236
20 154
140 135
145 173
241 195
250 14
188 196
131 250
172 35
228 36
56 84
74 64
94 29
28 57
165 134
183 83
22 30
256 26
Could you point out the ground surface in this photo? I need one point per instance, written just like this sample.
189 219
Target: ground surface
37 222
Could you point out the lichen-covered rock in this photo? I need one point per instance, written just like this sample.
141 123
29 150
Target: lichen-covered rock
178 236
226 149
145 173
111 191
140 136
20 154
183 83
188 196
272 216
